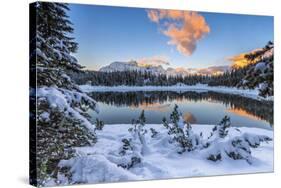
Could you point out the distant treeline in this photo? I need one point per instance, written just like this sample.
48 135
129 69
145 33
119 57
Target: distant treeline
138 78
257 74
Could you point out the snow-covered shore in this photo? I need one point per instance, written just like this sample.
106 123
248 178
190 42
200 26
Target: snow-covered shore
98 163
254 93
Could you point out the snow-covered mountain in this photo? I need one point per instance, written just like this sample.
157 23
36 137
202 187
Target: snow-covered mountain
132 66
158 69
180 71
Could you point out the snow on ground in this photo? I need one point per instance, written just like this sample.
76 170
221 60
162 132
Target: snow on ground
98 163
250 93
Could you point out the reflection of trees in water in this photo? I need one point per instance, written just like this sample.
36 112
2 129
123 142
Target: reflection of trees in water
260 109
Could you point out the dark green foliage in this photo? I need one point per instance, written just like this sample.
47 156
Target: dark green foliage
138 125
165 123
175 116
141 119
99 124
153 133
260 77
55 139
126 146
53 41
241 151
58 130
134 78
128 152
223 127
177 132
255 141
138 131
214 157
221 130
134 161
236 148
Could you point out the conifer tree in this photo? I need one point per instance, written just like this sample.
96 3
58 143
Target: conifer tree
165 123
99 124
138 131
134 148
260 72
61 119
176 130
222 128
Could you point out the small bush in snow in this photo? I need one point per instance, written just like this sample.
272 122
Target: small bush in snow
214 157
126 146
221 145
99 124
254 141
133 148
138 131
239 149
129 153
133 161
153 133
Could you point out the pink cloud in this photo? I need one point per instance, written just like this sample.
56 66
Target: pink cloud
184 28
154 61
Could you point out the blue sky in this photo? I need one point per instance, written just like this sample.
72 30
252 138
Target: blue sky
107 34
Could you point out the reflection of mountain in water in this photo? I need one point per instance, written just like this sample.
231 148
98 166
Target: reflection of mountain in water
237 104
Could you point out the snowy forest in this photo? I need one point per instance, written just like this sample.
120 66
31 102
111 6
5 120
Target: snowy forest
68 146
257 74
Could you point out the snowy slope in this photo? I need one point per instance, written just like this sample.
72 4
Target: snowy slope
98 163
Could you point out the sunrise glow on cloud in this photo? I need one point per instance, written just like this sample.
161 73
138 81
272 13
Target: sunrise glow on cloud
196 42
240 61
184 28
154 61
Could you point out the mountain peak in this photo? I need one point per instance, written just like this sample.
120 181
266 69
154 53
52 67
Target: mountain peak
132 66
119 66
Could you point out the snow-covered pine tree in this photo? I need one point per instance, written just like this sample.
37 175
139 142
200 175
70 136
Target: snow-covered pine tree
260 71
130 156
221 130
138 131
165 123
134 148
239 147
99 124
194 139
181 132
154 133
61 119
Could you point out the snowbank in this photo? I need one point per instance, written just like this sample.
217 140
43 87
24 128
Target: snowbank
98 163
178 88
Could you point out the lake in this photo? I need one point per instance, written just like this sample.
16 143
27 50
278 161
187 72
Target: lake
206 107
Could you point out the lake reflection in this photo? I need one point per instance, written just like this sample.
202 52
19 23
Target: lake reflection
196 107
